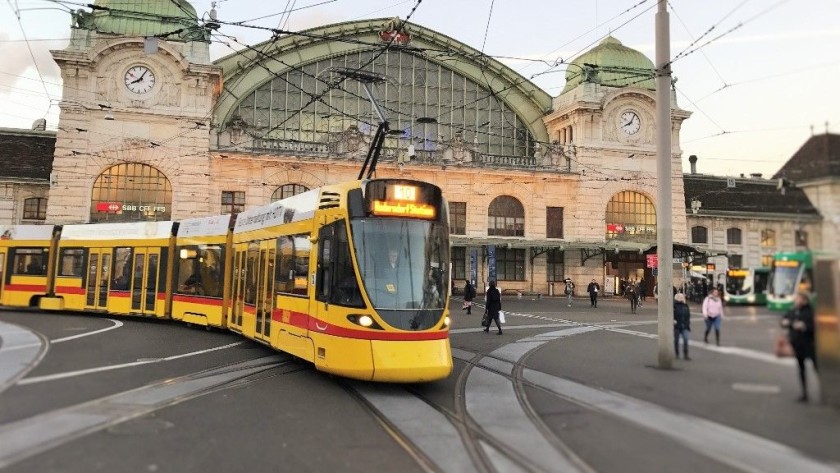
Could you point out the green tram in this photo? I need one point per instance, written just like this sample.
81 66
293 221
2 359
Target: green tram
747 286
792 272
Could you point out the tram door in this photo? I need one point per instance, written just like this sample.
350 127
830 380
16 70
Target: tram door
98 275
265 291
2 272
238 289
145 280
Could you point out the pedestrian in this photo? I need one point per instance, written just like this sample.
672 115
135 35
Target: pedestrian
682 325
494 305
570 290
593 289
713 314
799 322
643 291
630 292
469 295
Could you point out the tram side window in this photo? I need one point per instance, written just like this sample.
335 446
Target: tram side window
200 270
72 262
291 274
30 262
122 269
336 275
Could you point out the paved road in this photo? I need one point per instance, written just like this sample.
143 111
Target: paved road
563 389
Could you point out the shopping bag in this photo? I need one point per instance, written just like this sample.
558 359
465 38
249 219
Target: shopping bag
783 347
485 320
501 317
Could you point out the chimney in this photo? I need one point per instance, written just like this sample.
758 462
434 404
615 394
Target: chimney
39 125
693 160
755 175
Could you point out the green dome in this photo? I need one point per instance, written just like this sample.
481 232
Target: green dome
611 64
168 19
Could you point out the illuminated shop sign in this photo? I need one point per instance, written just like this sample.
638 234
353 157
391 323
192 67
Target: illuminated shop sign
786 264
738 273
117 207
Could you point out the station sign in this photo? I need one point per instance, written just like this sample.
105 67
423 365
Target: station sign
117 207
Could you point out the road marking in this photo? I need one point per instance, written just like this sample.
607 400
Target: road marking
20 351
757 388
117 324
28 437
71 374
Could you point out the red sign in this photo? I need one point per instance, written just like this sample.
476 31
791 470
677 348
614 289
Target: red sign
615 227
108 207
652 261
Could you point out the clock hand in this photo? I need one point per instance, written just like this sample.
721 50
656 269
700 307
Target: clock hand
139 78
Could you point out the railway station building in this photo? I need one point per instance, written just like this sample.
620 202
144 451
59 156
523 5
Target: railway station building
544 187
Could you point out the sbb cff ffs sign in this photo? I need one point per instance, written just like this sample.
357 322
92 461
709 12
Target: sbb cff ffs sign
108 207
652 261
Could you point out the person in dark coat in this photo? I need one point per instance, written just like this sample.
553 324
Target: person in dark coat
494 305
469 295
630 292
799 322
682 325
593 289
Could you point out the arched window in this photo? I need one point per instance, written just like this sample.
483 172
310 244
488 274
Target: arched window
420 87
287 190
506 217
630 215
699 234
35 208
768 238
733 236
131 192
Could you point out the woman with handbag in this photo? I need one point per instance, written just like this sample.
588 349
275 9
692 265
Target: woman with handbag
799 322
494 305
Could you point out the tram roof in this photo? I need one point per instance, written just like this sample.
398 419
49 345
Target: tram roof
26 232
117 231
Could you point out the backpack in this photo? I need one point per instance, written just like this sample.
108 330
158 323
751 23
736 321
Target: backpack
471 291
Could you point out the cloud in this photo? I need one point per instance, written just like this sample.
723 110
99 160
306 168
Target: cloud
17 60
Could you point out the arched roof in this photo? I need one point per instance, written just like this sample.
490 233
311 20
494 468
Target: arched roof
246 70
147 18
612 64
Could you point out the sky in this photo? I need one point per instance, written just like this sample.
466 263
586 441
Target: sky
757 75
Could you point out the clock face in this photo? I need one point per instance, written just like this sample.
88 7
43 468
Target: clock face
139 80
630 123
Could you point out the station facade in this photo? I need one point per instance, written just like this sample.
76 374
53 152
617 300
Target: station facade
544 187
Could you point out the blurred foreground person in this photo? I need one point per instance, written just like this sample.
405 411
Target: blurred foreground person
682 325
799 322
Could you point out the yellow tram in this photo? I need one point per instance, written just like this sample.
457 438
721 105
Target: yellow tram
24 260
352 277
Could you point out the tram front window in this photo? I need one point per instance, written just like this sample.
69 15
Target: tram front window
404 266
784 280
738 285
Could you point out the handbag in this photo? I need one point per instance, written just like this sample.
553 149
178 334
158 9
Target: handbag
783 347
501 317
485 320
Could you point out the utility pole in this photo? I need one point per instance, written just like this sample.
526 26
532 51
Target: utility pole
664 193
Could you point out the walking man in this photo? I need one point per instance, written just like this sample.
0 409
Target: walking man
593 289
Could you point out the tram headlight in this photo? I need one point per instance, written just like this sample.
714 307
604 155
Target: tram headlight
446 321
365 321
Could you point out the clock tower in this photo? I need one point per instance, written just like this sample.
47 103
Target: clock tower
133 136
604 121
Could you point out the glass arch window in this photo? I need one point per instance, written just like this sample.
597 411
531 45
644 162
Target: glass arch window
733 236
699 234
287 190
506 217
630 215
131 192
416 87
